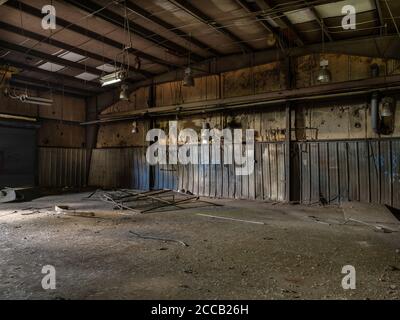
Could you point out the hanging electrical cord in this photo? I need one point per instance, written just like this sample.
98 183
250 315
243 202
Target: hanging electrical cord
289 3
68 26
393 19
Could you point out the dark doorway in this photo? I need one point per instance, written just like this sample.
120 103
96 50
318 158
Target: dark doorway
17 157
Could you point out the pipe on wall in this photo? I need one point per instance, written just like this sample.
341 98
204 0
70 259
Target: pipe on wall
375 121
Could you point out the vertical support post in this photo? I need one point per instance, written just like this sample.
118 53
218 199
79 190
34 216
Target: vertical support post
150 125
290 84
91 132
288 163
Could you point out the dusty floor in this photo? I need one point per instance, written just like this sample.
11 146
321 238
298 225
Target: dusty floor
292 256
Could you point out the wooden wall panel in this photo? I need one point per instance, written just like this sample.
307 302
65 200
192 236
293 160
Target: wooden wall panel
64 108
120 134
172 93
137 100
13 107
58 134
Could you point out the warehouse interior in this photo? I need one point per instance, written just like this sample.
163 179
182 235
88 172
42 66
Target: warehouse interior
84 82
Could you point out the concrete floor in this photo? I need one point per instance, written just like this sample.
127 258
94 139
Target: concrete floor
297 254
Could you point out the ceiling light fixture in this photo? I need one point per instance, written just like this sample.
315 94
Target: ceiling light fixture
113 78
122 59
135 128
188 80
25 98
324 75
124 95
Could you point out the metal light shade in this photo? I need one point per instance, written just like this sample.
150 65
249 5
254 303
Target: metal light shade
135 128
324 75
124 93
188 80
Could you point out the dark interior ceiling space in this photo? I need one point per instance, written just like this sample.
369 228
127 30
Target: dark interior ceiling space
168 35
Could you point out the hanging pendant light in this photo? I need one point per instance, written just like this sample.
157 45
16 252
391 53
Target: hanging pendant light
188 80
135 129
124 95
122 62
324 75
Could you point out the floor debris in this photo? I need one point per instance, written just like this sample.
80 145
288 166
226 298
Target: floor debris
377 227
71 212
8 195
150 201
231 219
158 238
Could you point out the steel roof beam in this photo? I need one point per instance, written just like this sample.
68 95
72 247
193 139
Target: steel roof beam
88 33
135 28
149 16
67 47
199 15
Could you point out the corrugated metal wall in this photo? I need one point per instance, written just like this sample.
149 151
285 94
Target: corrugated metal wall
62 167
267 182
331 171
127 167
337 171
165 177
120 168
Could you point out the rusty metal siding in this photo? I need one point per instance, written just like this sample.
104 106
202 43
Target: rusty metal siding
338 171
62 167
329 171
396 173
165 177
221 181
272 169
120 168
